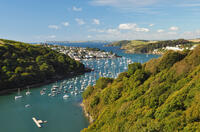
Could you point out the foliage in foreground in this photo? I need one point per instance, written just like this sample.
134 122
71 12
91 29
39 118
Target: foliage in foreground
23 64
160 95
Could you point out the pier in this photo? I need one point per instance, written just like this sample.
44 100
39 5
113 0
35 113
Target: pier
38 122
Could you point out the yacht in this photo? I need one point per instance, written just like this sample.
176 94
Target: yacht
75 93
18 96
65 96
42 92
28 91
27 105
55 86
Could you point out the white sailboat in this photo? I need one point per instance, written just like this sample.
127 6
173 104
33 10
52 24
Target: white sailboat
28 92
18 96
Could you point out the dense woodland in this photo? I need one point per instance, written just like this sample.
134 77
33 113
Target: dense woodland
160 95
24 64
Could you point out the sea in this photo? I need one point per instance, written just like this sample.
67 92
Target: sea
62 114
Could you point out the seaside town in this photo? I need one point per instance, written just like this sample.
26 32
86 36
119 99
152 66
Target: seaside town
174 48
81 53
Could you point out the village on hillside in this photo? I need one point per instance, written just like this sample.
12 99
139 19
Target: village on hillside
81 53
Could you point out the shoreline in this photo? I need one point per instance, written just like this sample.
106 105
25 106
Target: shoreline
89 117
128 52
57 78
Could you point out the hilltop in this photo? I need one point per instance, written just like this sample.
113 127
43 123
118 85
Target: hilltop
160 95
25 64
154 47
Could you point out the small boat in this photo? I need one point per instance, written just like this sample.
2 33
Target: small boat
28 91
38 122
42 92
28 105
54 89
75 93
18 96
55 86
65 96
53 94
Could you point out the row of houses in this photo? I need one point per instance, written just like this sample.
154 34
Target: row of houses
176 48
80 53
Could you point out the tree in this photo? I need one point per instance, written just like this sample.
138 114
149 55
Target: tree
18 70
133 67
40 60
61 59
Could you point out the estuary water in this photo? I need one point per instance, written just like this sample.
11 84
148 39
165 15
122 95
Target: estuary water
61 114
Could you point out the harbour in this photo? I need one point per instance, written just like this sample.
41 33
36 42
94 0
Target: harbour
62 111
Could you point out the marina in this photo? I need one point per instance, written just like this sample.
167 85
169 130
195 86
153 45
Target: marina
59 102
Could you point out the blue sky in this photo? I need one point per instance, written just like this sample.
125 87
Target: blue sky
41 20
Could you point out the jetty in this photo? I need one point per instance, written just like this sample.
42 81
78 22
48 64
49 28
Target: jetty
38 122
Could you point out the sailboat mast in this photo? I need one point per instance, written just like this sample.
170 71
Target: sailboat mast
18 91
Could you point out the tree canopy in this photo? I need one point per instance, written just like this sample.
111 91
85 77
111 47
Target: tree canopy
25 64
160 95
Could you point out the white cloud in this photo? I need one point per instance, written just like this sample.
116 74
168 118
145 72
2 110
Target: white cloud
151 25
80 21
132 26
53 27
160 30
76 8
127 26
96 21
173 28
66 24
142 29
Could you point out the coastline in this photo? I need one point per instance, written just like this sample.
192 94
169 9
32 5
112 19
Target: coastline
152 53
128 51
90 119
57 78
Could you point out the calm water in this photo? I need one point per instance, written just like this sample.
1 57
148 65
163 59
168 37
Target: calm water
63 115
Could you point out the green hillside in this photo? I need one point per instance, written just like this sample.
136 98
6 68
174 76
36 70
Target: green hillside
144 46
25 64
119 43
160 95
